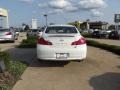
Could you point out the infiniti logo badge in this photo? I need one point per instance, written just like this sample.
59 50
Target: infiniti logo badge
61 40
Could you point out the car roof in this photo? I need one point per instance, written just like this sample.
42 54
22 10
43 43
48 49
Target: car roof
33 29
5 29
61 25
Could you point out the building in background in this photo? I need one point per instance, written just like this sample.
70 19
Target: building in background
94 25
4 18
98 25
76 24
34 23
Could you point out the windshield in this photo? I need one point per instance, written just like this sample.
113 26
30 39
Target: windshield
60 30
3 30
34 30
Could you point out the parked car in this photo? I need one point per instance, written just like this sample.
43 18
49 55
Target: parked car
61 42
17 32
114 35
84 31
96 34
33 32
7 35
40 33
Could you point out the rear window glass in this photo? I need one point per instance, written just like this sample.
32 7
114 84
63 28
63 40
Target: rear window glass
17 30
35 30
41 30
60 30
96 32
4 30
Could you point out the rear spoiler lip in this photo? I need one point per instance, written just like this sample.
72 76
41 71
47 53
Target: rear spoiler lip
61 36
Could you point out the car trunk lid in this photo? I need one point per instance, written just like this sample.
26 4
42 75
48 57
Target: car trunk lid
2 33
61 40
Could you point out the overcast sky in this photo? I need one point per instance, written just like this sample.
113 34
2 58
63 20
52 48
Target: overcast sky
60 11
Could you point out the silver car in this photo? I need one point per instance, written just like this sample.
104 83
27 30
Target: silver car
7 35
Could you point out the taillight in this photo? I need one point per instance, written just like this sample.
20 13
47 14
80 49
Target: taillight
43 41
8 33
79 42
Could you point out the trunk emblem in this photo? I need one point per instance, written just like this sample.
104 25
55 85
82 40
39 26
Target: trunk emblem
61 40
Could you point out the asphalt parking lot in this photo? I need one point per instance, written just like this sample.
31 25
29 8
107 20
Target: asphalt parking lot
106 41
100 71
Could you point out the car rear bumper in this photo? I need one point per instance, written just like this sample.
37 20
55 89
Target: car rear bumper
50 53
6 38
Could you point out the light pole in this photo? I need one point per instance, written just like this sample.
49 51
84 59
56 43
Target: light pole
1 22
88 26
45 15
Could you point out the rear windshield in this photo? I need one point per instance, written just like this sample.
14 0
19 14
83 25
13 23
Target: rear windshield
34 30
3 30
96 32
60 30
41 30
17 30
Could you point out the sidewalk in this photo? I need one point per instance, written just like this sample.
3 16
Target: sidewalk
100 70
106 41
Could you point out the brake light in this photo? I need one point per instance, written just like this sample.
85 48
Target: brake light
8 33
43 41
79 42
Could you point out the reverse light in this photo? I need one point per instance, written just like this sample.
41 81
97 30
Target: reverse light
43 41
79 42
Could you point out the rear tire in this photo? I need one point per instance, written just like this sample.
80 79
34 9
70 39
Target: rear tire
39 60
13 41
16 38
81 60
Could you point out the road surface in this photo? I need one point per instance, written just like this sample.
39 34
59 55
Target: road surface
100 71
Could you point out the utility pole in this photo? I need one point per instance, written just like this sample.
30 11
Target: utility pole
88 26
1 23
117 21
45 15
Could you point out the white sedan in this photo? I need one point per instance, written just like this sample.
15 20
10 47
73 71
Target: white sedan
61 42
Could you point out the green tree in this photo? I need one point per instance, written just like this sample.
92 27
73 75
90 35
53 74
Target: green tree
26 28
76 24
